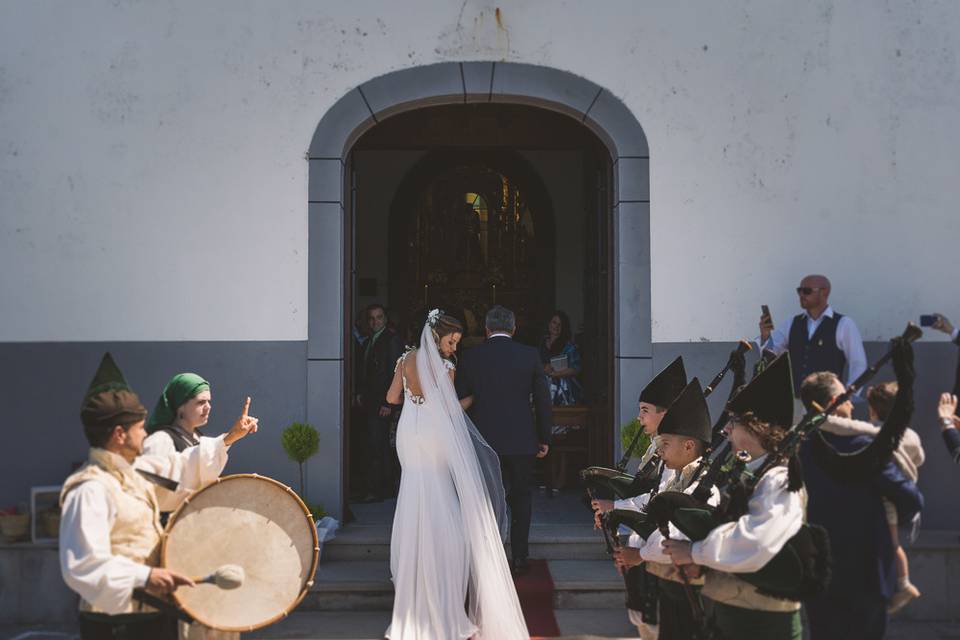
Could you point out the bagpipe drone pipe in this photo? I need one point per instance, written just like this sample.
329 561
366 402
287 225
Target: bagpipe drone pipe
801 569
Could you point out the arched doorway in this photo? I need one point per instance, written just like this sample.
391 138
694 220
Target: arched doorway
615 241
472 229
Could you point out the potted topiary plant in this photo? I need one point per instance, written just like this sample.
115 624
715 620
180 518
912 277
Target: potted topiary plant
300 441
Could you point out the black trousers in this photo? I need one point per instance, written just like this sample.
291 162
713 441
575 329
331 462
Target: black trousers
135 626
676 616
853 616
378 455
517 476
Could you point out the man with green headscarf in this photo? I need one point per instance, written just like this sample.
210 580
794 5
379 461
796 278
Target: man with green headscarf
110 524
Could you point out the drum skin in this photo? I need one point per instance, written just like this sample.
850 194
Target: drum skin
251 521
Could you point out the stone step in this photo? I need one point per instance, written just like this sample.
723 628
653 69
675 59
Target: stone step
364 585
547 541
578 624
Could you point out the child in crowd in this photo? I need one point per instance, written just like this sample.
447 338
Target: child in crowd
908 457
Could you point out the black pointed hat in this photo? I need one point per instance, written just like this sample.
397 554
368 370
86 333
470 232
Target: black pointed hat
688 416
769 396
109 400
666 385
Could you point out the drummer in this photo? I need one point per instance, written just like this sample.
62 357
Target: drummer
110 523
174 426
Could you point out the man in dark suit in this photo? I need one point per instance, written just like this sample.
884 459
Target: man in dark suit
863 573
379 353
501 375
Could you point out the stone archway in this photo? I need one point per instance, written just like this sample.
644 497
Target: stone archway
330 197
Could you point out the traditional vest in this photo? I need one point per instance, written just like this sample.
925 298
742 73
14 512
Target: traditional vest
136 531
181 442
819 352
728 589
680 481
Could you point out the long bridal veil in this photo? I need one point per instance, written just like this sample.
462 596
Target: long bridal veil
475 468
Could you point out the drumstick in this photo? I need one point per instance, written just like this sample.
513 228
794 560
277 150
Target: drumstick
229 576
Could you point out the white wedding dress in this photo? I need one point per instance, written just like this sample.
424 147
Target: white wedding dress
449 569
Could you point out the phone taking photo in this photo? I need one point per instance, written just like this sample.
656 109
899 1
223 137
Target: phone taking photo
765 310
928 320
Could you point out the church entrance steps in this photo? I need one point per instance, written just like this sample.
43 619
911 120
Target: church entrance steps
575 624
364 585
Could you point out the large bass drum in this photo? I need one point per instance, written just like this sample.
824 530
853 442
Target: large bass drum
251 521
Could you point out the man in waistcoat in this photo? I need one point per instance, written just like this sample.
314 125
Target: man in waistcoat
819 339
110 524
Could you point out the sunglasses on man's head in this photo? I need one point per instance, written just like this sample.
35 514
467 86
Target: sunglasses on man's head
807 290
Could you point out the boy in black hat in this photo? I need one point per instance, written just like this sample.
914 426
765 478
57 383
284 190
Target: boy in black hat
685 433
760 416
655 399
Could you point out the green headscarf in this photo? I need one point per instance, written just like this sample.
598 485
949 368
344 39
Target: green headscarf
181 388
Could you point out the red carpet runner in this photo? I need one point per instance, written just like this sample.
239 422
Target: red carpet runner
535 589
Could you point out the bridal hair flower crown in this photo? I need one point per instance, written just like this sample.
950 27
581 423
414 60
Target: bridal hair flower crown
434 317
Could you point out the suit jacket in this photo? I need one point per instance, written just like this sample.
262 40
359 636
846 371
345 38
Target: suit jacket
501 375
377 368
853 514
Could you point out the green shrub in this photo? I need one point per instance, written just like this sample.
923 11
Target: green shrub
627 432
300 441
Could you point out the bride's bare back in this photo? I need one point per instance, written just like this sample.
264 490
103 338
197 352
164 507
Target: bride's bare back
406 377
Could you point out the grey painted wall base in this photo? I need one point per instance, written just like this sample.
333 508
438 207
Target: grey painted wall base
43 384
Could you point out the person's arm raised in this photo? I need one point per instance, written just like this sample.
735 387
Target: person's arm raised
244 425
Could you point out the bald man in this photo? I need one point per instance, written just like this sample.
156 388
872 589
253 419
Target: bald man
819 339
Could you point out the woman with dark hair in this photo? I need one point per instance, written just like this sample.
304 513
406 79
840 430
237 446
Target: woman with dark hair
561 360
446 548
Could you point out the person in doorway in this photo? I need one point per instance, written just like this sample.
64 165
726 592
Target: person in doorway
561 361
380 353
501 376
819 339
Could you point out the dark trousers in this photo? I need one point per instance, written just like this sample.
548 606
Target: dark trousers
377 463
128 627
517 476
676 616
835 616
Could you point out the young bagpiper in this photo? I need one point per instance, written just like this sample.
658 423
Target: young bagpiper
110 524
685 433
760 415
655 399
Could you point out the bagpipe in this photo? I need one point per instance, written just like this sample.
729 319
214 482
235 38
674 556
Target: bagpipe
619 483
801 569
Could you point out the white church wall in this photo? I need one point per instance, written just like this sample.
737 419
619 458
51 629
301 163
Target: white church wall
155 154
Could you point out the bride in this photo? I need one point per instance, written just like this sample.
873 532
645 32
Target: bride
449 569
